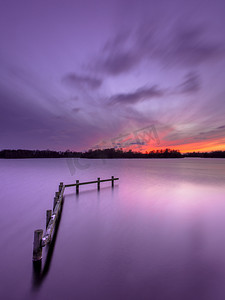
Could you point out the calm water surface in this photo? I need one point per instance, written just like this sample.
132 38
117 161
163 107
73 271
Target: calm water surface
159 234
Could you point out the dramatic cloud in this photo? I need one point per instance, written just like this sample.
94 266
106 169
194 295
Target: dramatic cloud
191 46
187 46
74 80
143 93
135 63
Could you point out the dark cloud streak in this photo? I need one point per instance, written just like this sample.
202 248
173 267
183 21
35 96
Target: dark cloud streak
75 80
191 84
141 94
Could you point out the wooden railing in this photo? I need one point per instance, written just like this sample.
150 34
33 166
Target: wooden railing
52 217
78 183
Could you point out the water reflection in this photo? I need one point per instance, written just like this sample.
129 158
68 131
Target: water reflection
157 235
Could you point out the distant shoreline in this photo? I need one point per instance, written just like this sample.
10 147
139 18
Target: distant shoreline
106 154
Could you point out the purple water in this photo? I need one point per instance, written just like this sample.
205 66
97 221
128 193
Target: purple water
159 234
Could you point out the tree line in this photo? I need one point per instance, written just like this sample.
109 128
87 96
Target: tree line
212 154
106 153
98 153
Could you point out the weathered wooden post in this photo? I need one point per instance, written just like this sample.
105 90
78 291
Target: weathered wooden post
60 186
48 216
56 198
37 247
98 183
55 201
77 186
112 181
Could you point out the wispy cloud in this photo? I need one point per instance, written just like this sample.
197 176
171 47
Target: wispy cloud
190 46
183 46
76 81
191 84
141 94
117 56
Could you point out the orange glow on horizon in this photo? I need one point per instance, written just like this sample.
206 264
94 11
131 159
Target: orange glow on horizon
184 147
193 147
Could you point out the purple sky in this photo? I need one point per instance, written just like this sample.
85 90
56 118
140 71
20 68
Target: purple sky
76 73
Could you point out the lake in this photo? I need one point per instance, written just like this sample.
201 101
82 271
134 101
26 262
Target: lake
159 234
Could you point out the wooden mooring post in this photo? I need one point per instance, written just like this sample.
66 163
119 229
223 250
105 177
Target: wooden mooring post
112 181
48 216
37 247
52 216
60 186
77 187
98 184
55 201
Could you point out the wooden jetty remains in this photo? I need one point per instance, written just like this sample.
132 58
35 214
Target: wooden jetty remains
52 216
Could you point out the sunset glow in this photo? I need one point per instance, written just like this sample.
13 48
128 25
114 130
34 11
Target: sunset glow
75 74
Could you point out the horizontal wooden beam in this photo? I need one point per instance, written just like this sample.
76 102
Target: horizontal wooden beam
90 182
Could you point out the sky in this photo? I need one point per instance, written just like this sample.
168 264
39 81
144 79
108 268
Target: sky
138 75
